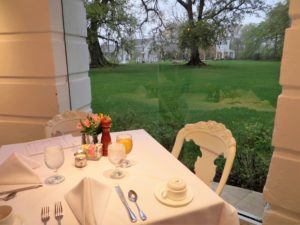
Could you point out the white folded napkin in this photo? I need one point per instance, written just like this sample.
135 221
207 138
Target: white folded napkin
88 201
17 170
30 162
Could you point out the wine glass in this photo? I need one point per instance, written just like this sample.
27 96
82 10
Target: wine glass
54 159
126 140
116 155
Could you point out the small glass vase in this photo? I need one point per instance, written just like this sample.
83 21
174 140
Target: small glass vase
89 139
91 146
95 138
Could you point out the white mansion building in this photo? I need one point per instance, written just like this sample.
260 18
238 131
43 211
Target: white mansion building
145 52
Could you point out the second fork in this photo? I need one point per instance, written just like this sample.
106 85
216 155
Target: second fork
45 214
58 212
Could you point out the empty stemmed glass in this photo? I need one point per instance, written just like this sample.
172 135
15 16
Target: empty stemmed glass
126 140
116 155
54 159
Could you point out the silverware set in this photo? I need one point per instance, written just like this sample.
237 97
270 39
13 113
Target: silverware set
132 195
58 213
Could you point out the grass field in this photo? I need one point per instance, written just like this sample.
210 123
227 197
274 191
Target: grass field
161 98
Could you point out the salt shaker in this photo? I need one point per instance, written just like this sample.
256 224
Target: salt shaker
80 159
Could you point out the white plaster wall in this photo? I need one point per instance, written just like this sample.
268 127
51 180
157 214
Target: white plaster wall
33 68
282 189
31 57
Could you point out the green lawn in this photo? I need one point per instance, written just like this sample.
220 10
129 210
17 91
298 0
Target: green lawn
161 98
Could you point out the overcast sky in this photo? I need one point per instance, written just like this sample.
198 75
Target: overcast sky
255 19
171 7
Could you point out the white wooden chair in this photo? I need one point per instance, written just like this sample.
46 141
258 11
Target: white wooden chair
65 123
213 139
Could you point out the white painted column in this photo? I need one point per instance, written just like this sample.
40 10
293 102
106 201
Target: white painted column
77 54
33 68
282 189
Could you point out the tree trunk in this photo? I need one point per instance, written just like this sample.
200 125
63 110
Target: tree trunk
275 47
96 54
195 58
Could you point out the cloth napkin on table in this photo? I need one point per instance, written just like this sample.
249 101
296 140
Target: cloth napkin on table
33 164
88 201
17 171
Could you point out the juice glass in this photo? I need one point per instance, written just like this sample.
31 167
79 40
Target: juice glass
126 140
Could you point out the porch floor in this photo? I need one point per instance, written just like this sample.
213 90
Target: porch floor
248 203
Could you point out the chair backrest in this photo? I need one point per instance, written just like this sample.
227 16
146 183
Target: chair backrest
65 123
214 139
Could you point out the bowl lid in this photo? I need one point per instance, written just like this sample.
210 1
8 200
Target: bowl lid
176 183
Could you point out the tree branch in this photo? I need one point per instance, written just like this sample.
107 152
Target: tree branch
200 9
230 6
108 39
214 13
184 4
151 9
113 40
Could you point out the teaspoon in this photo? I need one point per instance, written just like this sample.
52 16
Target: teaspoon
132 195
9 196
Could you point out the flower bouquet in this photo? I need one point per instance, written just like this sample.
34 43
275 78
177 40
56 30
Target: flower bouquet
91 126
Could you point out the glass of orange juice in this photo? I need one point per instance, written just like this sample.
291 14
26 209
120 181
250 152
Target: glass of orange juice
126 140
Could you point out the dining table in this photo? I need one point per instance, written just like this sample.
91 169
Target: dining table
152 166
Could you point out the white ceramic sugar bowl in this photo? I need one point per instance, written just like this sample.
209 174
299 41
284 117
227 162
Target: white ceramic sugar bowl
175 189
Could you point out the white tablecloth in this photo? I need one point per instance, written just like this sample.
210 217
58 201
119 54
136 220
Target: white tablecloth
153 164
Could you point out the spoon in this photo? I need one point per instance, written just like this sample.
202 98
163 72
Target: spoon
9 196
132 195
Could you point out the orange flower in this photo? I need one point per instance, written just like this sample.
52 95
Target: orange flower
95 118
87 123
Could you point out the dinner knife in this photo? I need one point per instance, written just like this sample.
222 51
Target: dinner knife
123 200
21 189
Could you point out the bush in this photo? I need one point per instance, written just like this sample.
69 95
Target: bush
125 121
254 151
163 131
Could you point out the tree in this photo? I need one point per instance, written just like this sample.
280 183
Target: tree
110 17
251 39
208 20
166 41
236 42
265 40
192 37
128 44
274 27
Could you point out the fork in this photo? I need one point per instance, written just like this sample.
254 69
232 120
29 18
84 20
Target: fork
45 214
58 212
